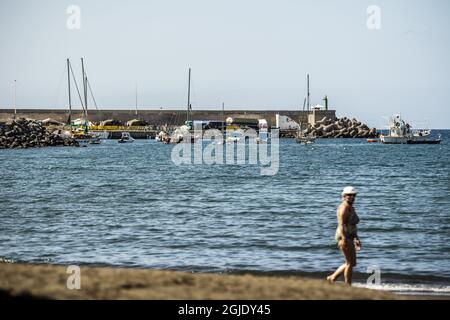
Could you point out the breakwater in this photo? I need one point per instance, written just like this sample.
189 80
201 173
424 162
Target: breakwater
340 128
24 133
166 117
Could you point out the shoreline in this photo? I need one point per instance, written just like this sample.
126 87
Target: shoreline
50 282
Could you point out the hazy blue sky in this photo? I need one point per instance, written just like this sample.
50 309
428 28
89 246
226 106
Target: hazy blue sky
249 54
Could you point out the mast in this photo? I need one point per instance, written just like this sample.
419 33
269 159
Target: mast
14 101
70 98
308 100
223 115
84 88
136 99
189 95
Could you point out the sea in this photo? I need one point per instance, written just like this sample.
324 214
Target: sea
130 205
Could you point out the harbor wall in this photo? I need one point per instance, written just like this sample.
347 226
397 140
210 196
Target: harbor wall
166 117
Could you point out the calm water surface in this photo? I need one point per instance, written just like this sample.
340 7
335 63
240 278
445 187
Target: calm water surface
129 205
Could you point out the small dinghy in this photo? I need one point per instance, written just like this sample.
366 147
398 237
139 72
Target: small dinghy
126 137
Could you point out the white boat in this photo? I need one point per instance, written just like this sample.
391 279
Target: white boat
400 132
126 137
83 137
159 136
82 134
305 139
101 135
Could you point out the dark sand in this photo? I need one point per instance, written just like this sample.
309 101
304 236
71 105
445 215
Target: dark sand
50 282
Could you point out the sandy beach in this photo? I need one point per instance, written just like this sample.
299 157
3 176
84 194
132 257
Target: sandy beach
50 282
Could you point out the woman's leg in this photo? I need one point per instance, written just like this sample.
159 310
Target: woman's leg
337 273
341 268
350 261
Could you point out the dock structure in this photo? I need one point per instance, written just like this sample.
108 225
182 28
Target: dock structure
159 119
169 117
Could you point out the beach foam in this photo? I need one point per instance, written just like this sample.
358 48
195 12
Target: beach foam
409 289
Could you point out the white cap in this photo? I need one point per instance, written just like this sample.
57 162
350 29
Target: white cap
349 190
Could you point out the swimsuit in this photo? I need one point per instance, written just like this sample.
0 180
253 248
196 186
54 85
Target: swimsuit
350 229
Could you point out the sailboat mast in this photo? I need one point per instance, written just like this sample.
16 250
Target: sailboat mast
223 115
307 84
70 98
85 88
14 100
136 99
189 95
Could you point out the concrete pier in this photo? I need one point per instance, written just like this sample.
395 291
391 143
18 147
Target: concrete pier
167 117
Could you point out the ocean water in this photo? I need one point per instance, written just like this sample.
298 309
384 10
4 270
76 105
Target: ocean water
130 205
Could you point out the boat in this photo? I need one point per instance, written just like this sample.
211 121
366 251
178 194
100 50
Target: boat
305 139
423 137
161 135
178 135
400 132
301 136
126 137
373 140
83 137
101 135
79 128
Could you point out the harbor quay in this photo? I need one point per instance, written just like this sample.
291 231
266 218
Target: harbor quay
159 119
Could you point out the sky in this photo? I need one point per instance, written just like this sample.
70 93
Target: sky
249 54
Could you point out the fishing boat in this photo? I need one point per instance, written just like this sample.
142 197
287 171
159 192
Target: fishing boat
126 137
400 132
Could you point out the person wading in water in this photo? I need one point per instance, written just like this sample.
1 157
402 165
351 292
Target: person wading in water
346 235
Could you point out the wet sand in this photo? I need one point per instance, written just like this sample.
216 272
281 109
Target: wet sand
50 282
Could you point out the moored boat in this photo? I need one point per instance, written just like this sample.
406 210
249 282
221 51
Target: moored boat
126 137
400 132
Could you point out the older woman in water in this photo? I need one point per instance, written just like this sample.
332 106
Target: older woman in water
346 235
